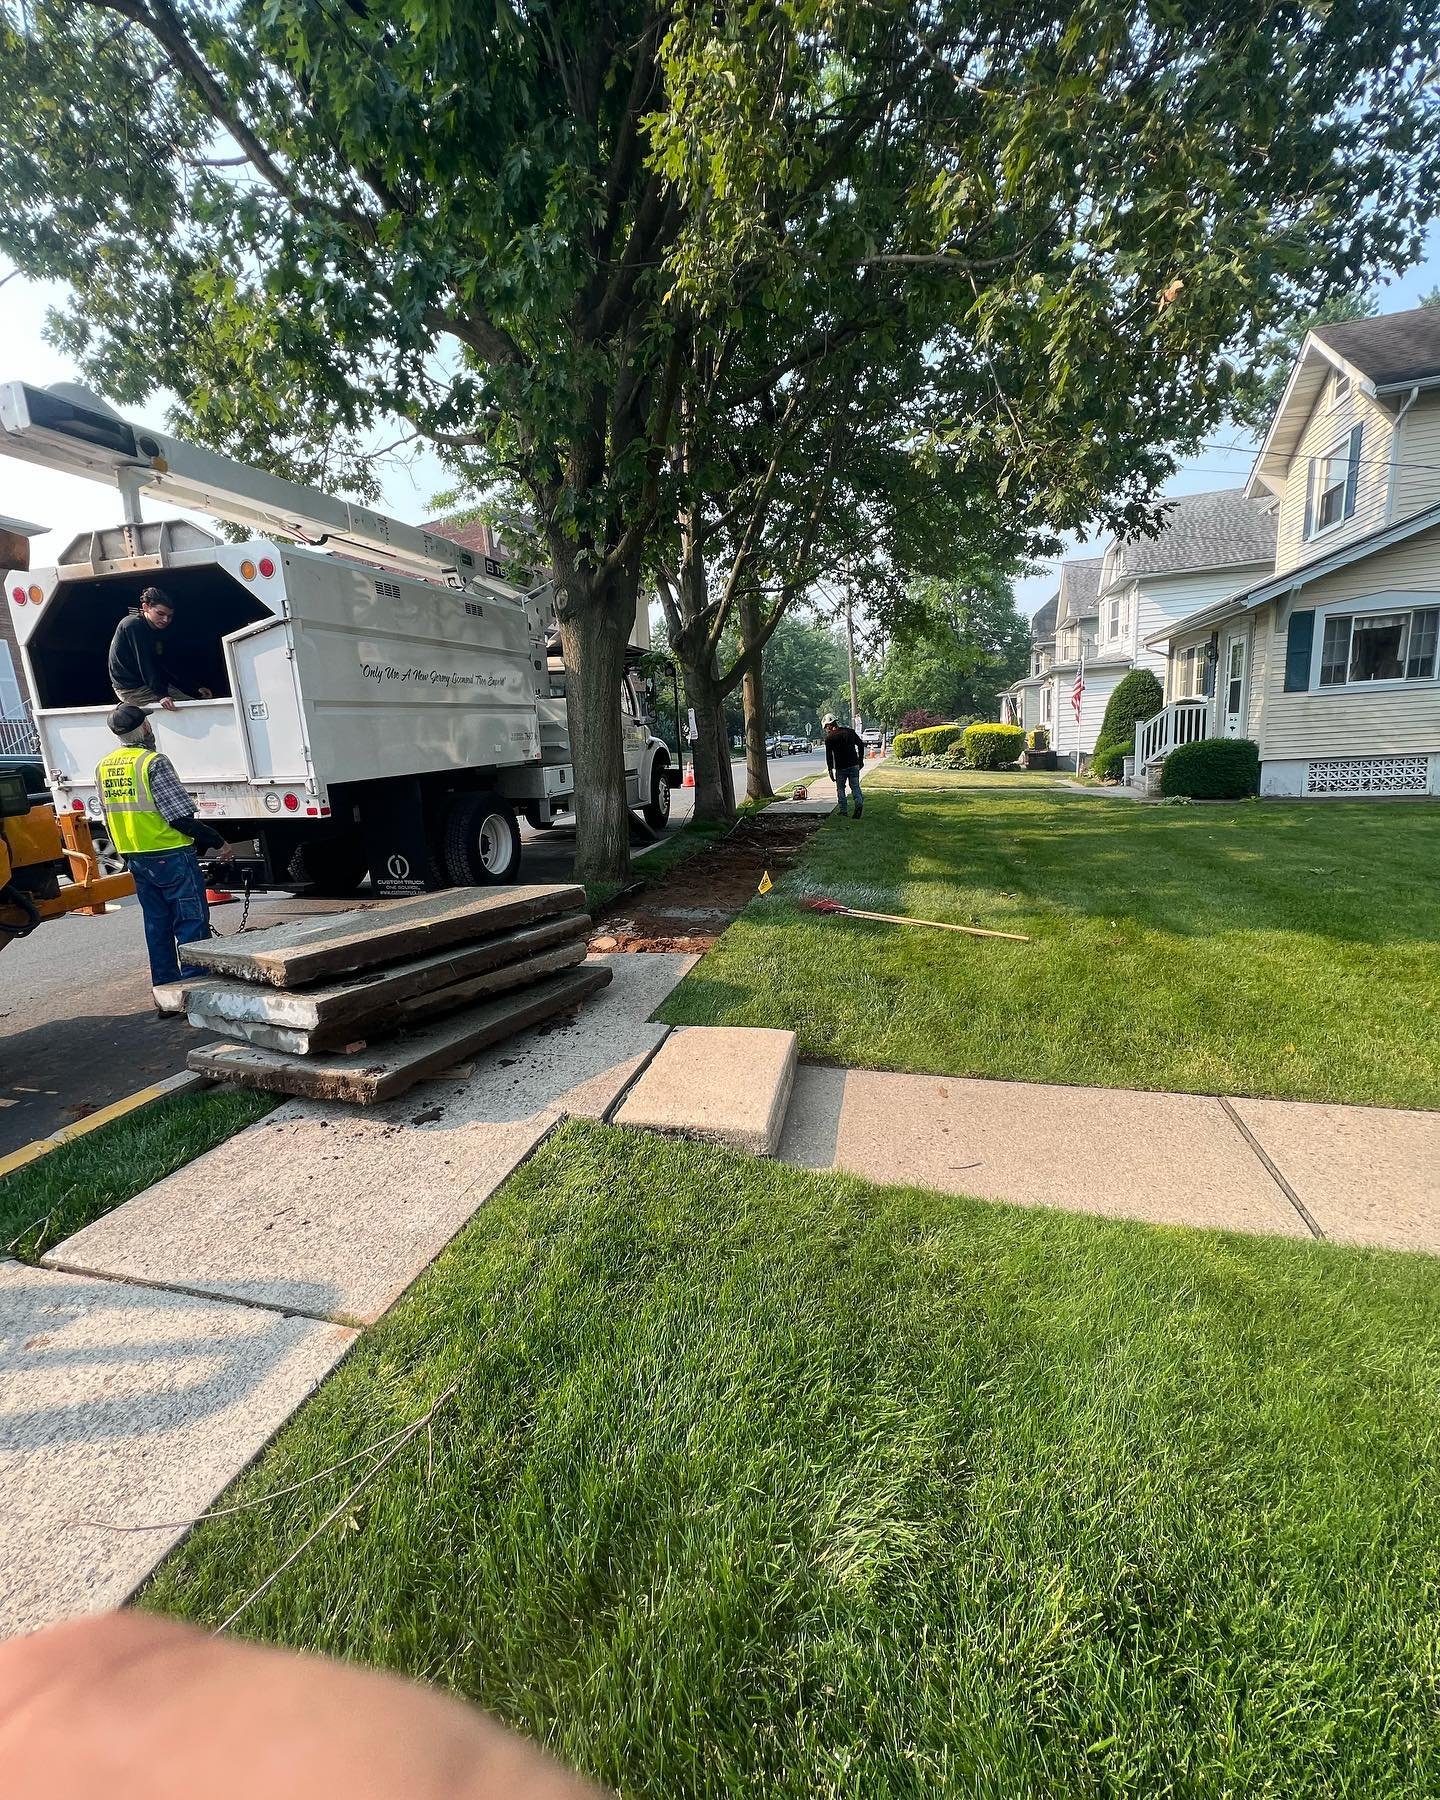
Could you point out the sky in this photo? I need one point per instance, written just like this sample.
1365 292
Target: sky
67 505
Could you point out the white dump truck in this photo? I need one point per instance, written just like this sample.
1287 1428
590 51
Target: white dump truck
382 698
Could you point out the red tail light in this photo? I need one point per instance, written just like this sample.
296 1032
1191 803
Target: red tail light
18 596
267 567
292 803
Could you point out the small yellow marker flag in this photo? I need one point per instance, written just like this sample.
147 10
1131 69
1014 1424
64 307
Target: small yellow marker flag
765 883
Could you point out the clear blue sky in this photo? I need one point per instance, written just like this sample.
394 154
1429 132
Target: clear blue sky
1221 465
68 505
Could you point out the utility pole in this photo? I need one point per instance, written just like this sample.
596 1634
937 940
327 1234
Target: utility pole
850 640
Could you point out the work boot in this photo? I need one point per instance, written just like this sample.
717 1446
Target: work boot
858 811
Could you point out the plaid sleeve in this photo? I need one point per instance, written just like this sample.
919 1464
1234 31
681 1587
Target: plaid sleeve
171 801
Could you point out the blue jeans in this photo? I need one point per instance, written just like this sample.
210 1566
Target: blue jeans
171 892
853 777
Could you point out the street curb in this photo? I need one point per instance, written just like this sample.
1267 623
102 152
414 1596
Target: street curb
183 1083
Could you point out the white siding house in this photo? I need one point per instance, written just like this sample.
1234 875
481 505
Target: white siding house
1332 664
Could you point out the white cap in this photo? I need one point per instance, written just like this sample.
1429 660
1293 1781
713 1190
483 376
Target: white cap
829 719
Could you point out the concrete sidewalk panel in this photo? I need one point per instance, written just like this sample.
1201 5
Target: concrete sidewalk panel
725 1083
362 1202
1172 1159
799 809
127 1406
353 1206
1366 1174
380 932
389 1068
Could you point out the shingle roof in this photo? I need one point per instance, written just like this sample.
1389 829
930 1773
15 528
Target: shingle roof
1202 531
1079 595
1392 350
1042 622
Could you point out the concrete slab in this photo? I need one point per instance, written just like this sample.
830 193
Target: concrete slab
399 1015
338 1006
1366 1174
130 1407
384 931
348 1208
799 809
1173 1159
357 1204
386 1069
725 1083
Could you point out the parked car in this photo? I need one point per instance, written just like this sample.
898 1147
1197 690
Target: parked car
873 738
775 746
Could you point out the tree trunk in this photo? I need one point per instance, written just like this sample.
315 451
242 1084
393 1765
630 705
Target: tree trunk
757 764
710 753
593 636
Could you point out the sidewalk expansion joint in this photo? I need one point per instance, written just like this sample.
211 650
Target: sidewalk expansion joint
1271 1169
608 1116
200 1293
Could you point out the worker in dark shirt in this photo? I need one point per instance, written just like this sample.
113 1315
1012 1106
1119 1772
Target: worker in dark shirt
137 655
844 753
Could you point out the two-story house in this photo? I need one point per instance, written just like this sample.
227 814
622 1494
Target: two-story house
1332 663
1206 547
1027 701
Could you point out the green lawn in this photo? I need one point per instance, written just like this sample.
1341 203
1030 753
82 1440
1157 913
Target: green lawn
759 1482
1260 948
45 1201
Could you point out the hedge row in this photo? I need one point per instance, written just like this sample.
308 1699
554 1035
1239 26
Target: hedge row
992 746
934 740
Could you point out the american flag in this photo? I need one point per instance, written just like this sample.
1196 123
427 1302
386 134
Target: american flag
1077 693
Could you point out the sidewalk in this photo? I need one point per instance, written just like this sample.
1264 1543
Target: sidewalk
1353 1174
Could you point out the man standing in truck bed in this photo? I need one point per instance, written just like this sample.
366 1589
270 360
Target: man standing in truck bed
844 754
138 671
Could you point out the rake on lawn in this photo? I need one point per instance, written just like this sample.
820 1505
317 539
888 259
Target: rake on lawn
821 905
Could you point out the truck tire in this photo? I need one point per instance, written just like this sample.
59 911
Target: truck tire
333 865
657 807
481 841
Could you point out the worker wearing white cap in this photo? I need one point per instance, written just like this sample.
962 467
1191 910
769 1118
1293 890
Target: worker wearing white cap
844 755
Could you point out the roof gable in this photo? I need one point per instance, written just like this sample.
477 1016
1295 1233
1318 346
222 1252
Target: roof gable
1220 529
1079 596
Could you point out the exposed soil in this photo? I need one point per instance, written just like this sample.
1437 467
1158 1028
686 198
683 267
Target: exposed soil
687 908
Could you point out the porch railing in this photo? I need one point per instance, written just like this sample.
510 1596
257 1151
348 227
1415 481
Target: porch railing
1181 722
18 737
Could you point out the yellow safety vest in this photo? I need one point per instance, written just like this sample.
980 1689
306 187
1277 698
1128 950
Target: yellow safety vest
123 778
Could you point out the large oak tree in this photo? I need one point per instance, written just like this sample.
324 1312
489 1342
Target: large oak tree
516 225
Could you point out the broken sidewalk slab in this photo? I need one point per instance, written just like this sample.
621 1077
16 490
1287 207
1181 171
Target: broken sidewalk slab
1365 1174
307 950
727 1084
798 809
127 1406
388 1069
361 998
402 1014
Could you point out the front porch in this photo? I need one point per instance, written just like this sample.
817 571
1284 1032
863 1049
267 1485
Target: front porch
1179 722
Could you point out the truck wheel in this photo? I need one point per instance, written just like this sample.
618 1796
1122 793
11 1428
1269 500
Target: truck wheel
657 808
330 865
482 840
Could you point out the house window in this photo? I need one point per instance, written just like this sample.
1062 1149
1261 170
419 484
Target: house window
1047 704
1113 628
1339 387
10 707
1379 646
1190 673
1334 478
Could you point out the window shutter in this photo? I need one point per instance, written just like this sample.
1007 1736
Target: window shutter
1352 474
1298 644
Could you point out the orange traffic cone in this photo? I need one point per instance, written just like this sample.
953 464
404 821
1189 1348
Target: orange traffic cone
217 897
689 780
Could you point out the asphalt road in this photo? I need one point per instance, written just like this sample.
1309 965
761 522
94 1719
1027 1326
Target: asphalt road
77 1026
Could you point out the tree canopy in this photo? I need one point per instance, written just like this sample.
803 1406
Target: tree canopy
516 231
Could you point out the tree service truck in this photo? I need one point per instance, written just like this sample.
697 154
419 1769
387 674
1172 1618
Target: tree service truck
383 698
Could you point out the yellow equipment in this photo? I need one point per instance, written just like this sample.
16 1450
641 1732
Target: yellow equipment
48 865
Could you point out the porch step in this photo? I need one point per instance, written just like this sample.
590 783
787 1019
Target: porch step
727 1084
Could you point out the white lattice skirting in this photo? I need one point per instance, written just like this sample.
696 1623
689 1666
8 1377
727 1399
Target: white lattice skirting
1369 775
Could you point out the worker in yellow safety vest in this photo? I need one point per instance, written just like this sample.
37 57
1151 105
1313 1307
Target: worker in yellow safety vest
152 823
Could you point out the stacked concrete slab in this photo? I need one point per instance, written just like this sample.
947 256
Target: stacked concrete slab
361 1005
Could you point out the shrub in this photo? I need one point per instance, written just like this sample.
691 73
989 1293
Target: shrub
919 719
992 746
1109 764
905 744
1212 769
935 740
1138 696
1039 739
